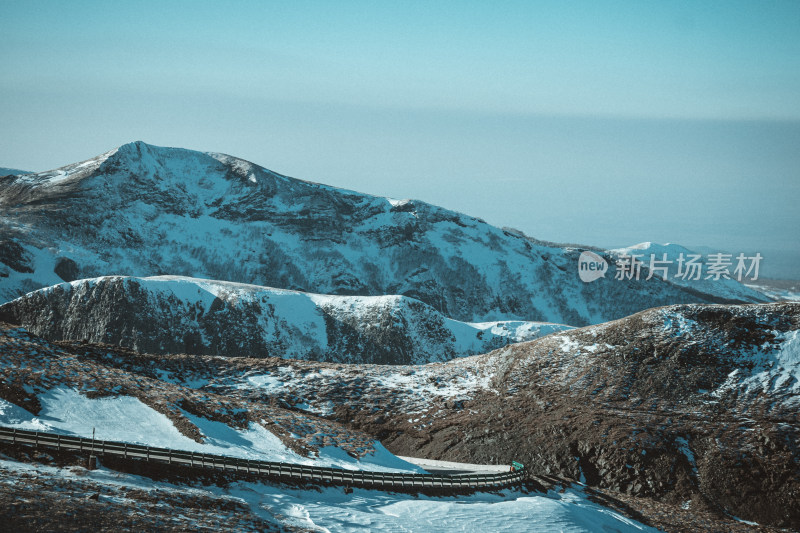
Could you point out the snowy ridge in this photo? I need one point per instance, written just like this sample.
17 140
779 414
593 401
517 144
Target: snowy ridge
172 314
142 210
75 171
758 352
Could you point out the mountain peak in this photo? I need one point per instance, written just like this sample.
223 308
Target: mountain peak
132 144
141 151
133 148
145 210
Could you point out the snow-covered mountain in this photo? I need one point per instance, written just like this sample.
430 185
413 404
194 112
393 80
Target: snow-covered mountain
142 210
184 315
786 290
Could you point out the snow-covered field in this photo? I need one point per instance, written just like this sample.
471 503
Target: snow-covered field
331 510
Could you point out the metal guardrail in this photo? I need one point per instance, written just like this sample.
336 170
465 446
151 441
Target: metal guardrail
274 470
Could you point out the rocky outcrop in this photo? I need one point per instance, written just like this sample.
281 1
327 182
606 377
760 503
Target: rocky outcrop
185 315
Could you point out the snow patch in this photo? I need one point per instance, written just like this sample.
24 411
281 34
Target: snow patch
127 419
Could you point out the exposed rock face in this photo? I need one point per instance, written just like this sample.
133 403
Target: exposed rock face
15 257
143 210
66 269
184 315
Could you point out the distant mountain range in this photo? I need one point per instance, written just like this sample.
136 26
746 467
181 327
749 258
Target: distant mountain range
142 210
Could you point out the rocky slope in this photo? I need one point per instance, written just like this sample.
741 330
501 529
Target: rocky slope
693 405
35 373
142 210
185 315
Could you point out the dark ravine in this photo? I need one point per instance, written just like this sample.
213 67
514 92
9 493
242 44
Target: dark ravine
143 210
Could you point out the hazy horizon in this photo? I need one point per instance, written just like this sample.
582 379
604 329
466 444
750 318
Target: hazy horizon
598 123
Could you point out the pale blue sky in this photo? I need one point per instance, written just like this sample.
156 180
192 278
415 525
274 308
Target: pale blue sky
605 123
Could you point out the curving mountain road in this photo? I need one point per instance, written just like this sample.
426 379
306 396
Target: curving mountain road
466 482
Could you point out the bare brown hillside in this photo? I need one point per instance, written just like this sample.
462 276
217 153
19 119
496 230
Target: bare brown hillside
689 407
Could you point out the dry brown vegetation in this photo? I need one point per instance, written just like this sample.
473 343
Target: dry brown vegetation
642 409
